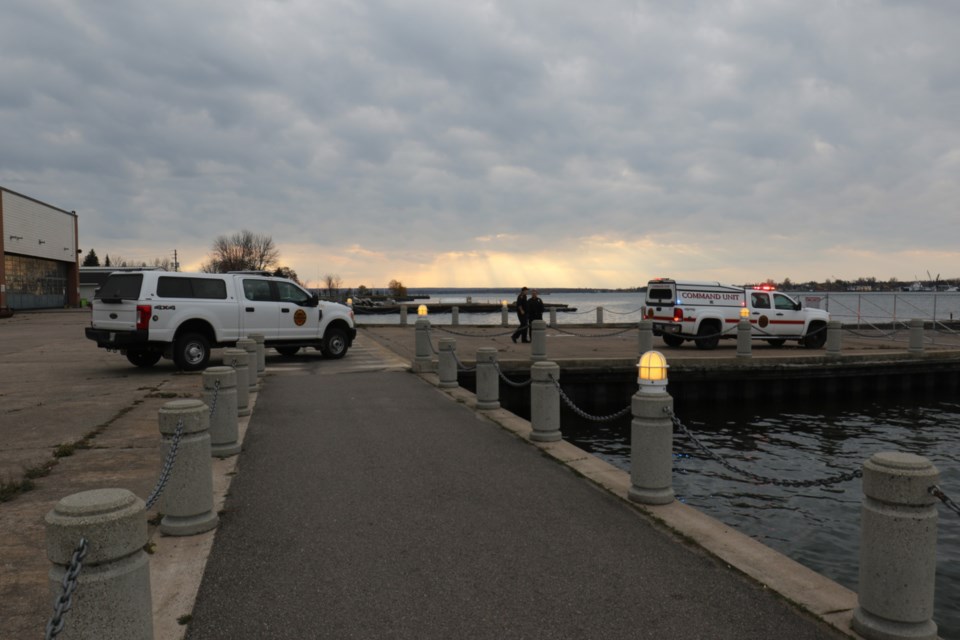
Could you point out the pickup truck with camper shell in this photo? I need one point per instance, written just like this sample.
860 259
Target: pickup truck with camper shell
147 315
705 312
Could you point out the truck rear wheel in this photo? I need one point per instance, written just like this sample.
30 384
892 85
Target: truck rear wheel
776 343
287 351
191 352
672 340
708 336
143 357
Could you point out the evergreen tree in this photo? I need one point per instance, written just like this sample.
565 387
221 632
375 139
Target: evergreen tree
107 263
92 260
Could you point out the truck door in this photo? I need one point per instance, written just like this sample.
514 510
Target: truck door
298 317
762 314
259 311
787 317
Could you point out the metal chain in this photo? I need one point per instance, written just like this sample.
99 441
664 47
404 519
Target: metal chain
596 335
460 365
944 498
69 584
526 383
477 335
167 465
622 313
583 414
216 394
821 482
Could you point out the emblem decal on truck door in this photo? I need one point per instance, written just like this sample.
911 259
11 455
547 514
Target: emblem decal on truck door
300 317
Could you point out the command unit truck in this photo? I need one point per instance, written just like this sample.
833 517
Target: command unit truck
147 315
706 312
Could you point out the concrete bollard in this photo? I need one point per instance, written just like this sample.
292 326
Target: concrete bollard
504 316
744 339
488 380
250 347
237 359
423 360
600 316
538 340
403 315
187 500
447 366
916 337
644 336
898 540
553 316
651 447
834 338
261 353
545 402
113 599
455 316
220 396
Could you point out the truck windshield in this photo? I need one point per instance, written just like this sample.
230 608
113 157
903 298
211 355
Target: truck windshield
125 286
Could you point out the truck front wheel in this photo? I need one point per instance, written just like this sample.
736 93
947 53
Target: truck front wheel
816 336
191 352
334 344
672 340
708 336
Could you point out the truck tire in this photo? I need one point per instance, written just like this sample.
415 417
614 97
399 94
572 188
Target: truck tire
776 343
711 336
672 340
334 344
143 357
287 351
191 352
816 336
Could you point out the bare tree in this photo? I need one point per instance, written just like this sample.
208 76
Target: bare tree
243 251
334 282
397 290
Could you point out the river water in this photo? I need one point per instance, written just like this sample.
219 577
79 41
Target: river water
818 527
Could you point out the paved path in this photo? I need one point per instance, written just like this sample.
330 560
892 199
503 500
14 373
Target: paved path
371 505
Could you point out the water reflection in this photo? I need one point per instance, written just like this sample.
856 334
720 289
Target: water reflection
818 526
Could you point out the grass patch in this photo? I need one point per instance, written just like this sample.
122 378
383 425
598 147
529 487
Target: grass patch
40 471
184 620
64 450
11 489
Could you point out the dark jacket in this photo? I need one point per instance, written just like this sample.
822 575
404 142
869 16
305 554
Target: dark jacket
522 308
534 309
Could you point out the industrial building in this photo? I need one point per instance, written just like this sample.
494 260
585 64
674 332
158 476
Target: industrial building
38 246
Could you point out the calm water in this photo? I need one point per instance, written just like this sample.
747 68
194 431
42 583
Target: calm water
818 527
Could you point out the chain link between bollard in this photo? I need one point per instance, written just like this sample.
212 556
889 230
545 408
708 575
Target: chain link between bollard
525 383
593 335
819 482
460 365
68 586
583 414
476 335
167 466
216 394
937 492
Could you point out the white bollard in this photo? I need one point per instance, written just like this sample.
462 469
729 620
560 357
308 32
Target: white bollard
403 315
600 316
220 396
237 359
545 402
644 336
504 316
538 340
651 446
423 360
261 353
187 500
488 380
744 339
916 337
834 337
455 316
250 346
553 316
447 366
898 540
113 599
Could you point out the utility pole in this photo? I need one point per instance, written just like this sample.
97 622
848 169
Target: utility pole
176 265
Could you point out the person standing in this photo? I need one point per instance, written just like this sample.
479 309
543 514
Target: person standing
534 311
523 330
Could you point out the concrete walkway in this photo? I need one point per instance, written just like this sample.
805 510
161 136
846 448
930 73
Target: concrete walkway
373 505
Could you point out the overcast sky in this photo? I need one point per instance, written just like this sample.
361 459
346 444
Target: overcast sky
497 143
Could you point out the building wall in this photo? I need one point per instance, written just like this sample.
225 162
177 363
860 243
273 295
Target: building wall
33 234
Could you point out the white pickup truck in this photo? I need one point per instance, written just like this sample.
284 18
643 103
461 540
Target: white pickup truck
705 312
150 314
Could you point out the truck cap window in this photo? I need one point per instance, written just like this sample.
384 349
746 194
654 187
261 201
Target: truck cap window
660 294
120 286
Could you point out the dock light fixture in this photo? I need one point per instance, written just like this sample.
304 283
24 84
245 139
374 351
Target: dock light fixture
504 303
349 302
652 376
422 310
744 312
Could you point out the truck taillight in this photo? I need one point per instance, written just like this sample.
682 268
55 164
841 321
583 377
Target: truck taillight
143 316
650 312
677 314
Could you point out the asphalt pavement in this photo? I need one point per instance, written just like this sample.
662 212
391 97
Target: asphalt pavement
372 505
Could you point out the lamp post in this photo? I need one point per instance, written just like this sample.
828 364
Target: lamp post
504 313
744 348
651 433
422 360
